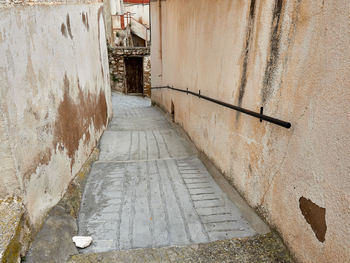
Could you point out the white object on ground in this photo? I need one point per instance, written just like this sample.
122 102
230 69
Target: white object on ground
81 241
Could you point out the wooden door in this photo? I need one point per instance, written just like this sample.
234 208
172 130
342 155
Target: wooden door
134 74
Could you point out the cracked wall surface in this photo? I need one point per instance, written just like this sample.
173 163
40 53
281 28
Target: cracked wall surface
55 97
292 58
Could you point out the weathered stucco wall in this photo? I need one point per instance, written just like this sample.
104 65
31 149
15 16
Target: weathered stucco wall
55 97
292 58
108 6
156 46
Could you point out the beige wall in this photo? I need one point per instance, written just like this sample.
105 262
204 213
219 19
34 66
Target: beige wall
55 97
156 44
107 7
292 58
140 12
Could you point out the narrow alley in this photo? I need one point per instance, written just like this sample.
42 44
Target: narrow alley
149 190
174 131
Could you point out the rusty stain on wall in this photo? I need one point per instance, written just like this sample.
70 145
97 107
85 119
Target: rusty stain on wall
42 158
64 30
315 216
68 27
160 30
85 19
31 75
73 119
250 28
274 51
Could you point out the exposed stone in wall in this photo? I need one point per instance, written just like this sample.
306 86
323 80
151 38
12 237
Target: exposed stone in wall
117 71
147 76
11 211
10 184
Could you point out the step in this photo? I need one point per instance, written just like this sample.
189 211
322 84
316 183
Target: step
259 248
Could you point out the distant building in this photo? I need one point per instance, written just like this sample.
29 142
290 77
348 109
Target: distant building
128 34
127 22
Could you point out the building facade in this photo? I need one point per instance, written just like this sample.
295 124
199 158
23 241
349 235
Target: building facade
129 46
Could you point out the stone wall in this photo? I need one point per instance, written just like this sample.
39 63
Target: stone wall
147 76
55 102
117 67
291 57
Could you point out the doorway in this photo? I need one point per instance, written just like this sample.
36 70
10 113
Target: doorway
134 75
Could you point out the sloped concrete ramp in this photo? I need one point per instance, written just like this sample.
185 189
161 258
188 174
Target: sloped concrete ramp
150 190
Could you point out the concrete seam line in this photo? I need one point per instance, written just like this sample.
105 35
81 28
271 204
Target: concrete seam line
248 212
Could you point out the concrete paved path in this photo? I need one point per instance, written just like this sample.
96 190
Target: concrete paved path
148 189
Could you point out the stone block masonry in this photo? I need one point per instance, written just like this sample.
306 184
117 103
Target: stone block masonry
147 76
117 69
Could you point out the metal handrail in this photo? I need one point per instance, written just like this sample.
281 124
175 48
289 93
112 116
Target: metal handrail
260 115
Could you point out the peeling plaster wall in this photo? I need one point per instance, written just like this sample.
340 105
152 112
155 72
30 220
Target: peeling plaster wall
292 58
55 97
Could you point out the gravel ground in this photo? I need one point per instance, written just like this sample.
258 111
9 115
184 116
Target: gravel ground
260 248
